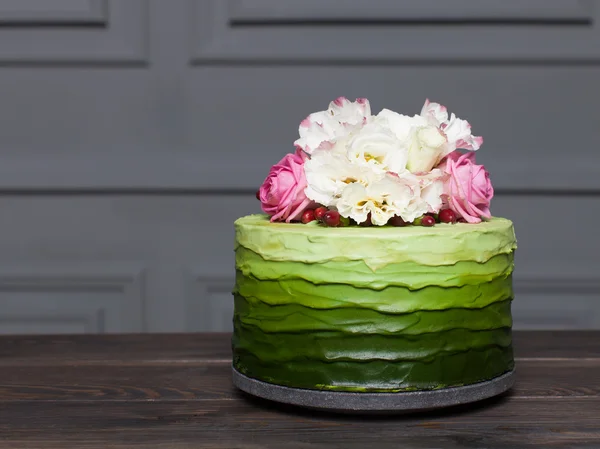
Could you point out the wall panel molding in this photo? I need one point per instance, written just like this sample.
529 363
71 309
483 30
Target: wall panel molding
91 298
53 12
276 11
556 303
24 322
219 32
557 286
209 302
100 278
107 31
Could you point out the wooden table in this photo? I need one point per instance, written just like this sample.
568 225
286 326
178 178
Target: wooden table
174 391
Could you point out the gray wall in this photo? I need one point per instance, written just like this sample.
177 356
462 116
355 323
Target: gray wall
133 133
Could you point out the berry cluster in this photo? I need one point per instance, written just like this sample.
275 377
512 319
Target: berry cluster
326 216
428 220
332 218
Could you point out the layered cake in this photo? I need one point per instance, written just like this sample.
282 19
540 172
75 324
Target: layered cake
376 265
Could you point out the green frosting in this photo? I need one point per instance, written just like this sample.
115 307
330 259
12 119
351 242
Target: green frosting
373 309
376 247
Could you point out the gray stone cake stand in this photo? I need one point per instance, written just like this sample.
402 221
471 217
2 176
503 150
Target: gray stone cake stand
348 402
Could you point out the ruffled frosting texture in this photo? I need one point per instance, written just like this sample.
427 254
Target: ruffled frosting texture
373 309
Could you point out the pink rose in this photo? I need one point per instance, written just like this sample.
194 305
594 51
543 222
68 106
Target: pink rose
282 193
467 190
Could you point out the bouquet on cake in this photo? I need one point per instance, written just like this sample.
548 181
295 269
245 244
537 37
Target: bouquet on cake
354 168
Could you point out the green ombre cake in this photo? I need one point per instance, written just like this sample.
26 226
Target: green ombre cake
373 309
377 265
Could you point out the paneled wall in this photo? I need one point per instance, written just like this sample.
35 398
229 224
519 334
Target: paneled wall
134 132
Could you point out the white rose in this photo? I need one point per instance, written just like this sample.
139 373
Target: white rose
427 147
375 145
329 172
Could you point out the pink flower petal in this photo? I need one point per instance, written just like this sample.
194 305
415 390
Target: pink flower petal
467 188
283 190
299 210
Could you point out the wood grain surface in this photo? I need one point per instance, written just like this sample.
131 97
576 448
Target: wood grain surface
174 391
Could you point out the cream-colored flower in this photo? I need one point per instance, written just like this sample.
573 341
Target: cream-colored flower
328 173
322 129
388 196
376 146
427 146
423 142
401 125
457 131
431 190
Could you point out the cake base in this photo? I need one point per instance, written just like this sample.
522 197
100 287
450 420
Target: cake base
348 402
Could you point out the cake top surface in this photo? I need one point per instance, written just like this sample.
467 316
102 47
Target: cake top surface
445 244
352 168
262 221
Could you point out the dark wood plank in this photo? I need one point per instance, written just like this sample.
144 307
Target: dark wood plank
99 349
175 391
117 382
556 378
496 424
201 380
157 348
557 344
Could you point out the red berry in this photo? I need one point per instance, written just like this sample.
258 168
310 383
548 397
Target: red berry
436 217
447 216
308 216
427 220
397 221
258 195
367 222
319 212
331 218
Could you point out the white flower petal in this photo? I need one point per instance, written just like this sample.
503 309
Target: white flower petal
349 112
329 172
427 147
353 202
458 131
376 146
316 129
382 199
400 125
322 129
432 188
434 113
